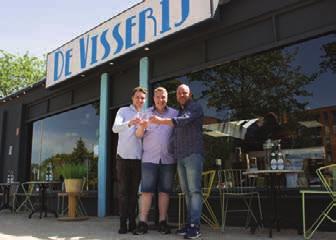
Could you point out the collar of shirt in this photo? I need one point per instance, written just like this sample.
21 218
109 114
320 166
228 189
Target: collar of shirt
154 110
182 107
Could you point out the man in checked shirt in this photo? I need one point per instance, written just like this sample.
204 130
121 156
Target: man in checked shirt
189 151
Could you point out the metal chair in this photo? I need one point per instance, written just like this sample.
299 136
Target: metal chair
208 215
13 189
327 176
27 191
234 185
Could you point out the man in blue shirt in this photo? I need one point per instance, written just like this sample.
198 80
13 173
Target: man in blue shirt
128 164
158 164
189 151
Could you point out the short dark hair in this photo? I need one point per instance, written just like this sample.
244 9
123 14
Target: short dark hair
139 89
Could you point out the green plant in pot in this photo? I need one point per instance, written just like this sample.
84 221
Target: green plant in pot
73 176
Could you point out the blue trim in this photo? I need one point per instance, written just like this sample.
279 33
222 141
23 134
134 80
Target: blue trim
103 137
144 76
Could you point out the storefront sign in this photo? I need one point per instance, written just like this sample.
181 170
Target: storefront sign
140 25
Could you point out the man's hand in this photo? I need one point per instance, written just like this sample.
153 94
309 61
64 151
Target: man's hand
155 119
144 124
134 121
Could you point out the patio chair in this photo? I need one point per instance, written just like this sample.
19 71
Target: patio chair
28 192
208 215
13 189
327 176
61 209
236 186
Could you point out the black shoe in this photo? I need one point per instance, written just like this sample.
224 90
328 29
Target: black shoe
183 231
123 227
141 229
193 232
164 228
131 226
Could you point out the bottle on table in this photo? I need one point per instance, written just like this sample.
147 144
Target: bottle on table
273 158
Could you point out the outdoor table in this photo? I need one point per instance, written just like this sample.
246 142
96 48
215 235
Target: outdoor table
273 174
42 206
6 194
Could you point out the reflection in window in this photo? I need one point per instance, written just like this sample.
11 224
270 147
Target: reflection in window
334 121
67 137
280 94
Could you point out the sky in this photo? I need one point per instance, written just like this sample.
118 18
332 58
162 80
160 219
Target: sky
41 26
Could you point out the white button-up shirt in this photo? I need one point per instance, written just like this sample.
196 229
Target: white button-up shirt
129 146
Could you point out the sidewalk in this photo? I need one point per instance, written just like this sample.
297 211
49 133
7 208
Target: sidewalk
18 226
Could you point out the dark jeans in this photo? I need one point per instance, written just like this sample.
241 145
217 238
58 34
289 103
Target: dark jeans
129 175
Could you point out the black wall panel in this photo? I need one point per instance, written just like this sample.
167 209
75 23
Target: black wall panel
59 102
173 60
88 91
237 11
309 18
12 139
122 85
253 36
36 110
3 120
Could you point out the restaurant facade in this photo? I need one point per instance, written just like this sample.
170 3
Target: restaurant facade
242 60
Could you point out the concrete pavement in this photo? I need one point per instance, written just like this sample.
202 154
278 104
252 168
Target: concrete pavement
18 226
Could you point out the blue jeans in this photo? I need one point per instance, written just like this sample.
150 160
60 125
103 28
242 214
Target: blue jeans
190 176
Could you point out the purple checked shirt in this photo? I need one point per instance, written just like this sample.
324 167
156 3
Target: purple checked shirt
157 138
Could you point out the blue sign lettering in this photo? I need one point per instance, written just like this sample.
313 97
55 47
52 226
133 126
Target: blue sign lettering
94 49
148 23
83 51
68 56
147 13
57 72
105 44
129 27
185 12
165 16
117 36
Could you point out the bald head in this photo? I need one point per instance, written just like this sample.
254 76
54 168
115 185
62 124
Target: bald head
183 94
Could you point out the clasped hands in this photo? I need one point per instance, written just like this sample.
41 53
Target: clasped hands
145 122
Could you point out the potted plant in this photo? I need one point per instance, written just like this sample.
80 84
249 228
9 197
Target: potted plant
73 174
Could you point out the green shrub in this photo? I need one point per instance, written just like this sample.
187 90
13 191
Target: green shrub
72 170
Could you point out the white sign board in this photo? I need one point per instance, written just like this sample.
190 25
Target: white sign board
140 25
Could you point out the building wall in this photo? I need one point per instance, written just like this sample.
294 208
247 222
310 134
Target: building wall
240 28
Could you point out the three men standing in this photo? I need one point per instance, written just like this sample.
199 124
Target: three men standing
184 132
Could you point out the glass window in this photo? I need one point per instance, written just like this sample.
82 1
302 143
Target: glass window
280 94
334 121
67 137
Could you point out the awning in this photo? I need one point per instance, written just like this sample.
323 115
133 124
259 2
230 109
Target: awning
236 129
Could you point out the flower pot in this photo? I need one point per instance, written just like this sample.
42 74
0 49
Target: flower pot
73 185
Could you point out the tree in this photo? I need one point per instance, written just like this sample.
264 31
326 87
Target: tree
256 85
80 153
17 72
329 59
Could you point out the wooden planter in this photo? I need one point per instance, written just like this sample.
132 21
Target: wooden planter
73 188
73 185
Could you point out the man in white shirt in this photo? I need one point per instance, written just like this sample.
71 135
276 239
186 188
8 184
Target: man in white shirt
128 164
